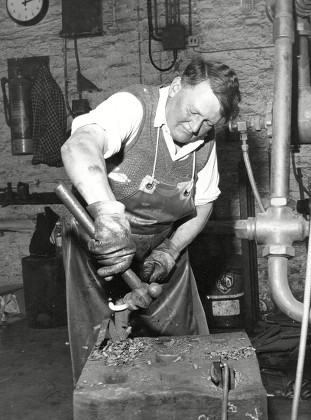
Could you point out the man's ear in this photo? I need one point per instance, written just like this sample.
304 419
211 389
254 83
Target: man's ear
174 87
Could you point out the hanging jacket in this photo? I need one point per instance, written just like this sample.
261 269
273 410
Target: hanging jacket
49 119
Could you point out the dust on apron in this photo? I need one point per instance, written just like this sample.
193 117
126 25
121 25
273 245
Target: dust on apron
151 210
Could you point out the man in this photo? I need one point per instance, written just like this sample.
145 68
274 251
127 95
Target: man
145 163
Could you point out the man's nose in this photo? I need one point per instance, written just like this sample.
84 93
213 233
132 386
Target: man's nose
196 124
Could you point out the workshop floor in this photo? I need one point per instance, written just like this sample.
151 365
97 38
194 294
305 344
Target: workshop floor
35 376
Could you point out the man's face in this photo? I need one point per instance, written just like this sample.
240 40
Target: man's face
191 112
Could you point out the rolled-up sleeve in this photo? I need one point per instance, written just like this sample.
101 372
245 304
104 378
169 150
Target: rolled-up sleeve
119 116
208 179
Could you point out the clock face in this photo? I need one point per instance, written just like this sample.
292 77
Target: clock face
27 12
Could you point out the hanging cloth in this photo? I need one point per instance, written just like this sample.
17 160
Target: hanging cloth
49 119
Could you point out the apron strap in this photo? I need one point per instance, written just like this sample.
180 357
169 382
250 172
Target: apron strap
155 157
191 183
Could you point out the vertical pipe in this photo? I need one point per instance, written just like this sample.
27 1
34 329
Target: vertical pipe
224 408
303 58
283 39
303 335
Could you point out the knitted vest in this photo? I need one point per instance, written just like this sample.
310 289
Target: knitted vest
135 160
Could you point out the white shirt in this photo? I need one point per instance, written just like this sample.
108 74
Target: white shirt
120 117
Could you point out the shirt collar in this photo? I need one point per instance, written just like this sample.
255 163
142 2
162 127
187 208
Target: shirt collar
160 121
160 114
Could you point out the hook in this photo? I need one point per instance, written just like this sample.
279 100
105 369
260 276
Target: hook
117 308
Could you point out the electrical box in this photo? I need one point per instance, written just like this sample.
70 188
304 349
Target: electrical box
173 37
81 18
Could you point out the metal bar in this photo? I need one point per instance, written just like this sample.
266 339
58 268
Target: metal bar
224 409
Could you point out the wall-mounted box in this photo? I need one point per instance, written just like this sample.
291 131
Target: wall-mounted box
81 18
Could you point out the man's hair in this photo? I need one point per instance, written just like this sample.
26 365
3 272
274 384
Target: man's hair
223 81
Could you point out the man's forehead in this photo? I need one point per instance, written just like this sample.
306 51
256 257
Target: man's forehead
206 102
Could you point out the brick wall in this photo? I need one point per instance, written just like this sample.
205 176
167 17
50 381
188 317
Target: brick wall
119 58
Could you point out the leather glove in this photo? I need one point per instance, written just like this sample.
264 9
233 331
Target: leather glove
138 298
160 262
113 246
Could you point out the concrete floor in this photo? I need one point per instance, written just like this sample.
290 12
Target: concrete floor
36 383
35 373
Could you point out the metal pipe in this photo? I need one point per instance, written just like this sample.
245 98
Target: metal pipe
303 57
224 408
282 295
303 336
251 178
278 241
283 38
304 89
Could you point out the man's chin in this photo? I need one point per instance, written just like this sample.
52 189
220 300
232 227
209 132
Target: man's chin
183 138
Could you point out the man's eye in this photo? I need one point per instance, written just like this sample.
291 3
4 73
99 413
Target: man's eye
207 123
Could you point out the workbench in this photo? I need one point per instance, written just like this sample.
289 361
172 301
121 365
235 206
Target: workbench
168 378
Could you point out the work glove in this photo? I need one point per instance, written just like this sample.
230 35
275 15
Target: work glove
138 298
160 262
112 246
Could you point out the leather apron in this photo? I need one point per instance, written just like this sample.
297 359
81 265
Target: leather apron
151 210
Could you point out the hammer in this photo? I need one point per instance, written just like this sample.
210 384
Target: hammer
154 289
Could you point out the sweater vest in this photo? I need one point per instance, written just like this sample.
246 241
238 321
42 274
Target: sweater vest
134 161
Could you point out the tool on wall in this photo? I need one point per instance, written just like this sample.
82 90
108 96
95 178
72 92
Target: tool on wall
79 106
80 18
20 195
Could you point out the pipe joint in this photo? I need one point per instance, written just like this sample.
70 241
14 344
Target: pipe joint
279 227
278 250
283 28
278 201
245 229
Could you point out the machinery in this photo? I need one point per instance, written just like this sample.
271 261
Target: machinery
278 227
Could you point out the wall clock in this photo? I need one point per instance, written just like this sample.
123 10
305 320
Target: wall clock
27 12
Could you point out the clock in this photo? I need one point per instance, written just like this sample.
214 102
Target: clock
27 12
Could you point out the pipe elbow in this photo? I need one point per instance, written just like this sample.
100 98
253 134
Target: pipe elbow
282 295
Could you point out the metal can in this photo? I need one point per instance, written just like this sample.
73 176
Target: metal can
224 302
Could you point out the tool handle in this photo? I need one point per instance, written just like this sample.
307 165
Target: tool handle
78 211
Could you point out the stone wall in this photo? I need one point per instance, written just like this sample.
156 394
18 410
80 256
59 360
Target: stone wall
119 58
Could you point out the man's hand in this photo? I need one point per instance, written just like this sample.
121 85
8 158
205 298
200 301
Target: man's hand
113 246
160 262
138 298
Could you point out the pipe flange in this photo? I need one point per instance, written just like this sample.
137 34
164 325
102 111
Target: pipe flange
280 250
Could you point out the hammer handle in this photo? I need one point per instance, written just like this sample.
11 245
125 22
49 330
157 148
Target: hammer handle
86 222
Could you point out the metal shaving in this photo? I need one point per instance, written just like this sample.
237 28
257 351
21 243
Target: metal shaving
120 352
227 353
